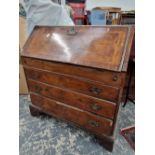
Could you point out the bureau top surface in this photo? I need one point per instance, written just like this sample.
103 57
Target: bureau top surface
104 47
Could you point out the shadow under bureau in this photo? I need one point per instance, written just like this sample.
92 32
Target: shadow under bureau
77 74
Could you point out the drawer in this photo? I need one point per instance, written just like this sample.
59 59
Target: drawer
81 101
105 77
74 83
81 118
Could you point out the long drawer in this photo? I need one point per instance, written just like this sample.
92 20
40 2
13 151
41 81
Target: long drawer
76 84
84 119
106 77
81 101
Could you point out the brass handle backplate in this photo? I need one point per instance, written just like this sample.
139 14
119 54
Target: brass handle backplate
93 123
35 75
95 106
38 89
95 90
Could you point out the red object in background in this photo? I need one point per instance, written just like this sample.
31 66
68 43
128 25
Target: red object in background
129 134
78 14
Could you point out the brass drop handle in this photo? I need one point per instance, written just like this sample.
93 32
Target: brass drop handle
93 123
38 89
95 106
95 90
115 78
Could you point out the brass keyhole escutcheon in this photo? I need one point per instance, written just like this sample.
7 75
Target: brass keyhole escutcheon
115 78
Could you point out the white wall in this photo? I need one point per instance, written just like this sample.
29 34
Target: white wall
126 5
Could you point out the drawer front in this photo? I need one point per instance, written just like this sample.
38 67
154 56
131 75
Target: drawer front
81 101
73 83
81 118
106 77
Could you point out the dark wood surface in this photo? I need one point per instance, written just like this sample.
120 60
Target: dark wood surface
79 77
81 101
75 84
98 46
83 118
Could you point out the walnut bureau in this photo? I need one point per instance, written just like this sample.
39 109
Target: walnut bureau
77 74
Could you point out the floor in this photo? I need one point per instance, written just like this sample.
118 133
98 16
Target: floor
48 136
